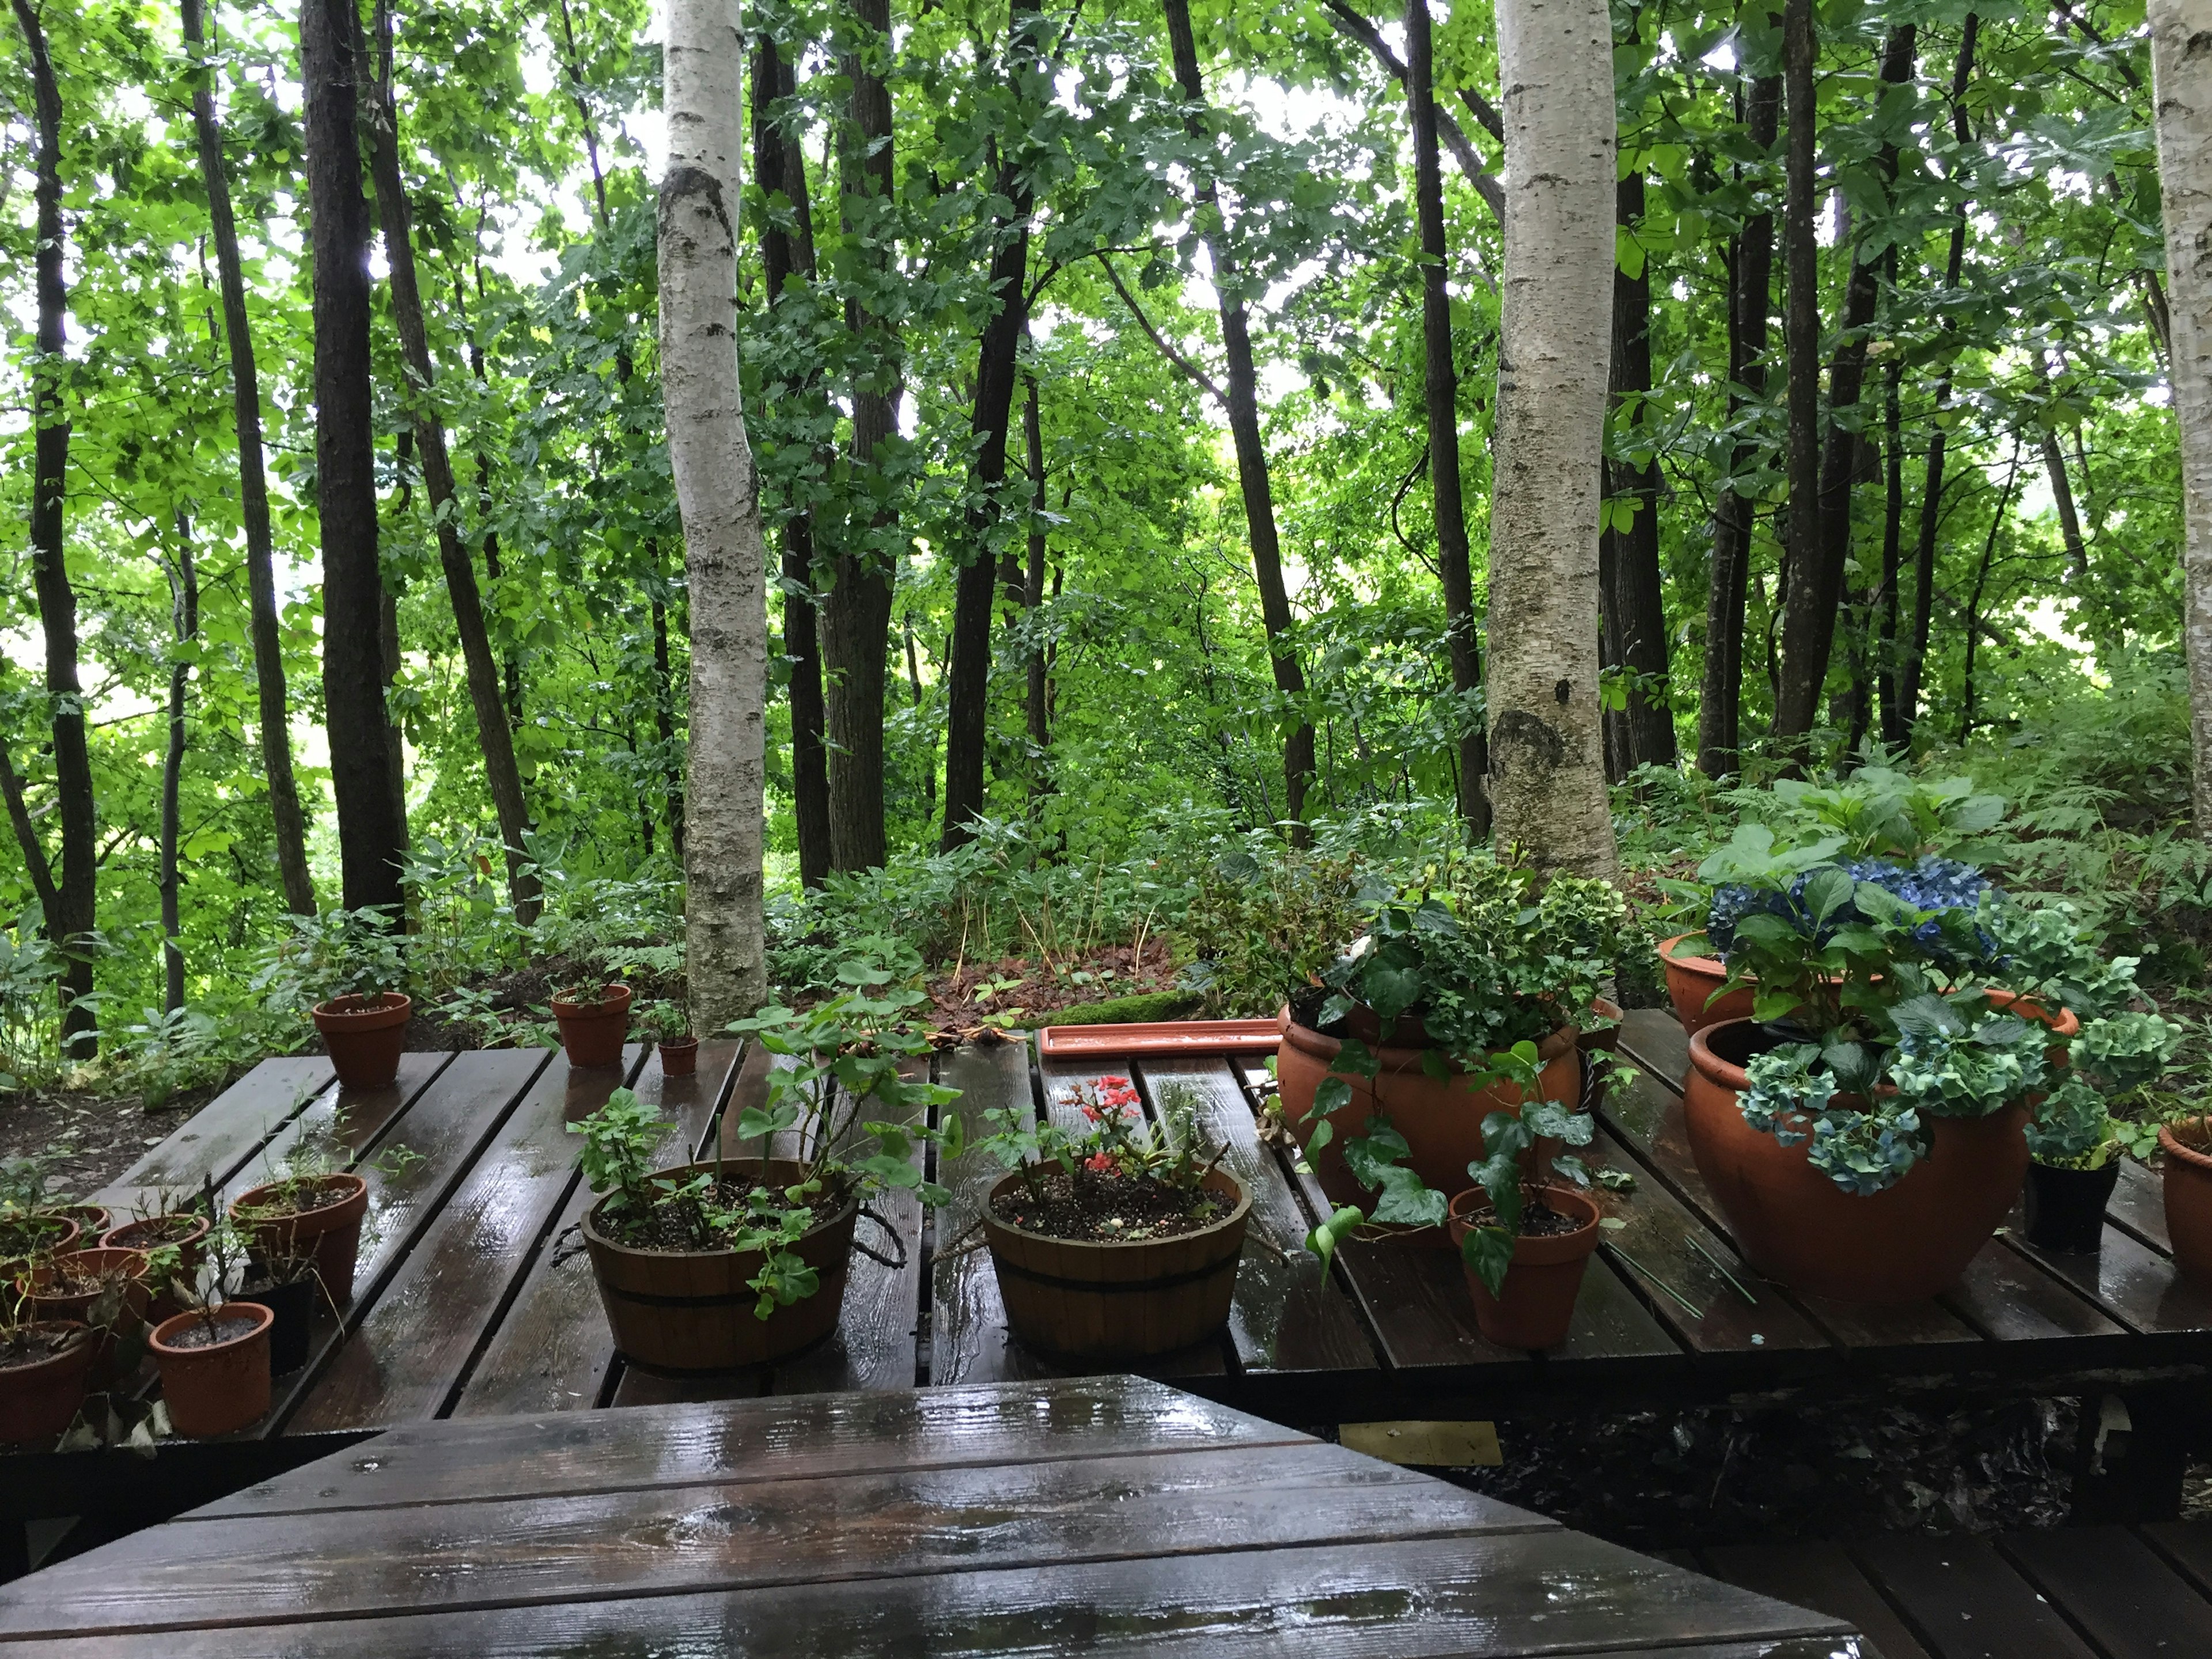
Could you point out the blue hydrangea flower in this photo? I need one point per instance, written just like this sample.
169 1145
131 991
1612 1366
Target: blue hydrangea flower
1929 884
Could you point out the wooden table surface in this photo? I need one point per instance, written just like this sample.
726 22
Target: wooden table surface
1104 1514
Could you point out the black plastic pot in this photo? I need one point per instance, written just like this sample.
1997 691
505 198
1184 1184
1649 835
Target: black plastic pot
2066 1207
294 1306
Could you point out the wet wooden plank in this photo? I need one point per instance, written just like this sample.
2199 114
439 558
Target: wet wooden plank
2014 1301
2138 1204
2116 1589
552 1351
1655 1040
1967 1600
2131 1282
222 1137
2188 1545
408 1354
344 1123
1287 1315
784 1437
1821 1576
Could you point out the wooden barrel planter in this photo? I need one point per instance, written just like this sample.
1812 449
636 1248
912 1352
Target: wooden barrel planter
692 1310
1118 1301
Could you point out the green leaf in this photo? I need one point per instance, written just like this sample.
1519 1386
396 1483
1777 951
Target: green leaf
1489 1252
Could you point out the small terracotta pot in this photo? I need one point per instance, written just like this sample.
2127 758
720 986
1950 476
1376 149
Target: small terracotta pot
592 1033
2066 1207
92 1220
365 1035
679 1056
1537 1304
59 1240
147 1235
221 1388
1692 980
39 1399
332 1229
49 1301
1440 1119
2188 1183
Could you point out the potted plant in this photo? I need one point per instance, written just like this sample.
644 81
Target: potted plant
594 1020
738 1261
1113 1244
31 1225
167 1221
2187 1144
1866 1132
1389 1062
349 965
108 1291
2097 1112
671 1024
214 1356
43 1365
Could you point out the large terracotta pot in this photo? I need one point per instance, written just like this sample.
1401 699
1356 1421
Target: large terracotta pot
1536 1303
1793 1224
331 1229
1441 1118
365 1035
2188 1206
1692 980
592 1033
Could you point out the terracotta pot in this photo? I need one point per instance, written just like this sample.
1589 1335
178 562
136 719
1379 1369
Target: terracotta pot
365 1035
332 1229
223 1386
2066 1207
592 1033
692 1310
2188 1184
50 1301
149 1234
1440 1119
1607 1039
679 1056
1692 980
39 1401
56 1236
92 1220
1537 1303
1117 1301
1909 1242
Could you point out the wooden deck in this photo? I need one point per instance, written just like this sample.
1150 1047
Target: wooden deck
1106 1515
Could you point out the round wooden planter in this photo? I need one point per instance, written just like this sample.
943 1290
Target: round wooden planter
365 1035
1692 980
1536 1304
39 1399
221 1388
332 1229
1908 1241
1440 1117
692 1310
2188 1183
1089 1301
592 1033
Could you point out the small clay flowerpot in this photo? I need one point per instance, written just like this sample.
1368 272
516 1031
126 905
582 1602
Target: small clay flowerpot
365 1035
92 1220
1691 982
53 1296
218 1387
2066 1207
592 1033
2189 1203
679 1056
292 1306
331 1227
38 1398
1536 1304
184 1231
50 1233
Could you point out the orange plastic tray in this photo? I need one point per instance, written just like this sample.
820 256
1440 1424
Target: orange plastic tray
1174 1037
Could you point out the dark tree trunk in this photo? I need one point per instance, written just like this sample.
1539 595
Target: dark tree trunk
1243 402
69 917
968 683
856 610
1896 728
1820 549
1036 709
185 617
1801 328
1720 706
288 822
2070 519
1629 590
494 736
780 168
1440 386
1967 721
372 823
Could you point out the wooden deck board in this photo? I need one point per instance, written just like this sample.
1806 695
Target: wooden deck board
2131 1604
1821 1576
222 1137
1965 1600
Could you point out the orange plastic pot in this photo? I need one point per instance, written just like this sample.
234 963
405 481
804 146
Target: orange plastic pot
2188 1184
1692 981
332 1229
592 1033
221 1387
365 1035
1911 1241
38 1400
1536 1304
1441 1118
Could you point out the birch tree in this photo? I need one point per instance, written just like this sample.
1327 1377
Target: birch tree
1546 756
725 553
2181 81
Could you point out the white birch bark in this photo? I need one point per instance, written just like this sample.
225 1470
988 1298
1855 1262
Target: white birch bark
2181 83
1546 756
726 557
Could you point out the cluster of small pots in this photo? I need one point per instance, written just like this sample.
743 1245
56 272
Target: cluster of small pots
366 1035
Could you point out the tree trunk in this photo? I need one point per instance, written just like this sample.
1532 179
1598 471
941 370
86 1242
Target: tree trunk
1974 600
1720 705
781 168
856 610
287 820
1896 729
494 736
70 919
372 824
1440 383
2069 521
2181 76
1244 404
725 554
184 616
1035 706
968 681
1801 328
1547 774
